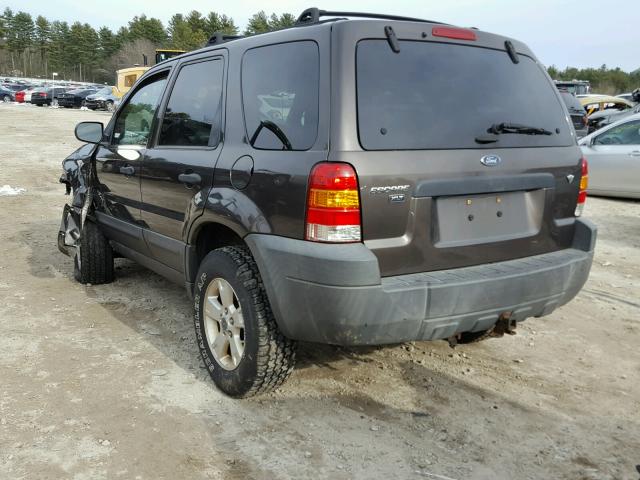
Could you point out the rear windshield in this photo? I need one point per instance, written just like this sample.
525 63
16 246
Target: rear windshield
443 96
572 103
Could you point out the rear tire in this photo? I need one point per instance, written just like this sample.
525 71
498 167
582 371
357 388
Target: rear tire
228 293
93 260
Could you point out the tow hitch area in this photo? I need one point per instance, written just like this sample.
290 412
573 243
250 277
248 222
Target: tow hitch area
505 324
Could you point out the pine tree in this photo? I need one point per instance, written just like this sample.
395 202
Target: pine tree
187 33
21 38
149 28
283 21
220 23
5 19
108 42
58 51
196 22
43 41
258 23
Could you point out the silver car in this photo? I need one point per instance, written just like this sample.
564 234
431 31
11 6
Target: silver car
613 154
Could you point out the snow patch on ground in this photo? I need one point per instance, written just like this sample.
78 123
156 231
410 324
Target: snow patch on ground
8 190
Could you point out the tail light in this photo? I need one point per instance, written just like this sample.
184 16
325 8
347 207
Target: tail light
584 183
333 204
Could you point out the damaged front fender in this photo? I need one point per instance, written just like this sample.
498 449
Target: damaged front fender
78 178
77 173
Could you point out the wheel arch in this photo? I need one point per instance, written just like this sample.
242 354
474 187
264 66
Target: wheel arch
206 236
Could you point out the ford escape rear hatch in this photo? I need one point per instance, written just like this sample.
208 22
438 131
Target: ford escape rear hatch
465 152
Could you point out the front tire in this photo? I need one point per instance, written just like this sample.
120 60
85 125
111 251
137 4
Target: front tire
237 334
93 260
110 106
6 99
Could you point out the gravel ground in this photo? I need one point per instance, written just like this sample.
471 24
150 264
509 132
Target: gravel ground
106 382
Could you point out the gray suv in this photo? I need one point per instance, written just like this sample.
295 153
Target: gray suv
361 181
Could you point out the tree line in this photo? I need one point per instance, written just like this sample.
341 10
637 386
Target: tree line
37 47
603 80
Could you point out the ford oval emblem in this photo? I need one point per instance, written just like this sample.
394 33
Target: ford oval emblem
490 160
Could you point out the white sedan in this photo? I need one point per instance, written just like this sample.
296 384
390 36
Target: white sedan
613 155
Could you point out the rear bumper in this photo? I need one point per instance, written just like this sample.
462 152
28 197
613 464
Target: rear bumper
334 293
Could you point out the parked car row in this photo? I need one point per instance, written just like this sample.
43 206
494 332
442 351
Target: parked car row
592 112
67 95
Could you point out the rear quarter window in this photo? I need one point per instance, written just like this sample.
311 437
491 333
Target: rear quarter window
442 96
280 84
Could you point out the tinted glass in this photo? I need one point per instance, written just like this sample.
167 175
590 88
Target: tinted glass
443 96
572 103
194 108
280 85
134 121
625 134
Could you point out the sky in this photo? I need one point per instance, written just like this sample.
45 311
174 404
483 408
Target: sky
578 33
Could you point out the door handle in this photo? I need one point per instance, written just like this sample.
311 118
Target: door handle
128 170
190 179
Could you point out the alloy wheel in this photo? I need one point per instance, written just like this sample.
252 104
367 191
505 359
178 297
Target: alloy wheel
224 324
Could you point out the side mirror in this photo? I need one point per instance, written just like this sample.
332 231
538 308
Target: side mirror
90 132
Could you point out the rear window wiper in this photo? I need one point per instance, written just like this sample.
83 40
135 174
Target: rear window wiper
498 128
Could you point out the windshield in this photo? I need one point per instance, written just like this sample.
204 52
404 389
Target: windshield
443 96
104 91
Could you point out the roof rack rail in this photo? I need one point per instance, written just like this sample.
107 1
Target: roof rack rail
312 16
221 37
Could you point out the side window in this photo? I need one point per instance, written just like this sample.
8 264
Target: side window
280 95
129 80
133 124
625 134
194 108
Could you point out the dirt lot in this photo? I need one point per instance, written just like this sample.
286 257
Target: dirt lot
106 382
